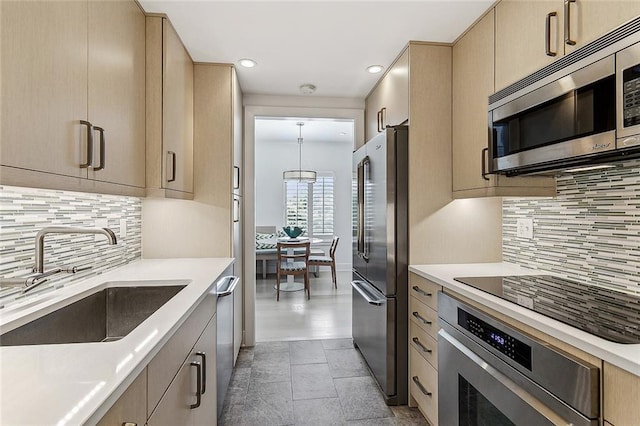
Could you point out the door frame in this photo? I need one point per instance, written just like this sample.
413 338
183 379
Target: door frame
345 109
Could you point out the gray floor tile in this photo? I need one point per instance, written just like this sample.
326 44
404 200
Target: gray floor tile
318 412
262 357
245 358
346 363
263 347
312 381
330 344
268 404
387 421
238 386
271 369
409 415
231 415
361 398
307 352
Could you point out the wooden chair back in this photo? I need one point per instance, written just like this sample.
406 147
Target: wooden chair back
332 248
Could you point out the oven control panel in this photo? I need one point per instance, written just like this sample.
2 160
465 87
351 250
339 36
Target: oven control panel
497 339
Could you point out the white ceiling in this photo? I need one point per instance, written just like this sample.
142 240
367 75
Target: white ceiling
325 43
315 130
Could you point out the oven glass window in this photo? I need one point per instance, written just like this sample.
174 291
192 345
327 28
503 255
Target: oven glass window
582 112
475 409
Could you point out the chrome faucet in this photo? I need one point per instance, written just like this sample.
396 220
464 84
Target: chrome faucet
39 276
39 266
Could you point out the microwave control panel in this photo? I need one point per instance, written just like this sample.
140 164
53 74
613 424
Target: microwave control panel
631 94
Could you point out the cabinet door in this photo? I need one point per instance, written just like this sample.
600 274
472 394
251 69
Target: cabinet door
44 86
207 413
177 113
591 19
237 134
621 395
131 407
175 406
372 107
520 38
472 85
117 90
396 94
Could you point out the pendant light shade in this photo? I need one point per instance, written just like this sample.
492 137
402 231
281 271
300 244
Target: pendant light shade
299 175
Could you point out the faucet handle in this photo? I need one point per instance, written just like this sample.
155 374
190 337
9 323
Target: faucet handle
75 269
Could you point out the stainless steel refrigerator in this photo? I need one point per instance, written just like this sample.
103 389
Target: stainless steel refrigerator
380 258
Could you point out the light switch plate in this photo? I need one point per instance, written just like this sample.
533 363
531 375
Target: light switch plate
123 228
524 228
101 223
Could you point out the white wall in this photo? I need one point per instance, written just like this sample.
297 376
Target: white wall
274 157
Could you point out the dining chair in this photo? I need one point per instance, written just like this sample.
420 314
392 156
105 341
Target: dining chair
293 259
327 260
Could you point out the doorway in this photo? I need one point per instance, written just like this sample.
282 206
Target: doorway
321 287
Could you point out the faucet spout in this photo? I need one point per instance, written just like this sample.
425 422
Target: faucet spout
39 261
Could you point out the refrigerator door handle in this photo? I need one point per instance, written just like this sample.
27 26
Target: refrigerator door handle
360 218
366 165
369 293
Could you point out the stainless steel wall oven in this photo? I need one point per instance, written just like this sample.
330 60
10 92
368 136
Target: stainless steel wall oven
492 374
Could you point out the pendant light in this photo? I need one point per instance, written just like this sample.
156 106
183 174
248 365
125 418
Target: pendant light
299 175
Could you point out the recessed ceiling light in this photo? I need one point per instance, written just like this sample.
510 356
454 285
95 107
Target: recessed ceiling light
375 69
247 63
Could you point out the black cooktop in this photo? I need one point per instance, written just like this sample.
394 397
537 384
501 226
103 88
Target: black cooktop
604 312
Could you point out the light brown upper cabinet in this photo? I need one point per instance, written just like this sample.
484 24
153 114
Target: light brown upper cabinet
169 112
388 102
531 34
473 72
71 102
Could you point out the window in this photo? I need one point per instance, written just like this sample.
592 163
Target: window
311 204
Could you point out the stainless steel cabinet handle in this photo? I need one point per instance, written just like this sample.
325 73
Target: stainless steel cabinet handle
421 291
103 149
129 424
173 166
416 380
419 318
236 177
231 281
203 355
236 210
89 144
383 113
567 22
547 34
484 160
421 346
198 384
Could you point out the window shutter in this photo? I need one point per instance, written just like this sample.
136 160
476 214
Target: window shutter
323 205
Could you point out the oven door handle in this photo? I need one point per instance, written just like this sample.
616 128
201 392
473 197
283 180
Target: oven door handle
514 387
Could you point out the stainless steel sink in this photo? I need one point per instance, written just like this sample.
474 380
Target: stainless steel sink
105 316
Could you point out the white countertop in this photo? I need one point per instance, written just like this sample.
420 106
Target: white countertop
77 383
624 356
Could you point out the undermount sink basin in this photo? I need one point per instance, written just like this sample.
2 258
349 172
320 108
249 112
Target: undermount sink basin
104 316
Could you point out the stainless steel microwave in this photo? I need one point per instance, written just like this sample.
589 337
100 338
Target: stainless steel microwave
587 113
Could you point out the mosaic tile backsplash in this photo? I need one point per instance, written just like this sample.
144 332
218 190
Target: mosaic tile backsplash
590 232
24 211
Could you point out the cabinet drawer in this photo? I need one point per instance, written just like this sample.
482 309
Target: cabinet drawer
425 317
424 344
164 366
424 290
424 386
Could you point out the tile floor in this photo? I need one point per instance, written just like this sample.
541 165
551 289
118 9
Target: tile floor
327 315
308 382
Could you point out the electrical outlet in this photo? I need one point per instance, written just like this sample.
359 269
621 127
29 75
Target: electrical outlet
123 228
101 223
524 228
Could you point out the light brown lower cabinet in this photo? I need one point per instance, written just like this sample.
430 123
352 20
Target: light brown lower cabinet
131 407
621 392
423 346
191 397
